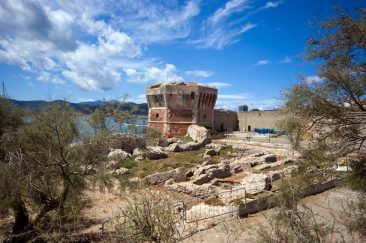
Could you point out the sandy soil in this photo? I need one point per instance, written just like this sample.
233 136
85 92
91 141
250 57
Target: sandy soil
325 205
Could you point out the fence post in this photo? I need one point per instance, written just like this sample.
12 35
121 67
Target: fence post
184 211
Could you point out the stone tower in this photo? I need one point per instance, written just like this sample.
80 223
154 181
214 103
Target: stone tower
173 107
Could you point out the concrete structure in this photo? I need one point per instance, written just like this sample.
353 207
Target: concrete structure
250 120
173 107
225 120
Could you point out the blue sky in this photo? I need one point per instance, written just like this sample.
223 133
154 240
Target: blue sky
92 50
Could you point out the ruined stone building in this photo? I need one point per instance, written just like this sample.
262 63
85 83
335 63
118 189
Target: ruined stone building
175 106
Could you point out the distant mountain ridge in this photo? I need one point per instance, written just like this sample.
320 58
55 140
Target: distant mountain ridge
82 107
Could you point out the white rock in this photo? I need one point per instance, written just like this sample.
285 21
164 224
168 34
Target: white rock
118 153
199 134
120 172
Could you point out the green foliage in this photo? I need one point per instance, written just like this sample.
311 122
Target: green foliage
296 225
151 135
46 165
354 218
10 120
357 179
108 116
294 128
128 163
10 117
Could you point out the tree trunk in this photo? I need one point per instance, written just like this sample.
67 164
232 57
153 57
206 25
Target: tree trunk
21 221
21 217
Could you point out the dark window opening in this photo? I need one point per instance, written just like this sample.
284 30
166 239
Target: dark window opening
157 115
192 95
249 128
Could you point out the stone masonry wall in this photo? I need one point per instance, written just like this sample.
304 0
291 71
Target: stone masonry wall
225 120
259 119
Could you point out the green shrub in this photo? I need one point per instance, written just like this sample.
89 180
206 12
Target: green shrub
129 164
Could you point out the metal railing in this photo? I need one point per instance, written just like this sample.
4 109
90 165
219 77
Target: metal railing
212 205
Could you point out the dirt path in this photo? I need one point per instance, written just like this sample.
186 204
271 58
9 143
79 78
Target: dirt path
325 205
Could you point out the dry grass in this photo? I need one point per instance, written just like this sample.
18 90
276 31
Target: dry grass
214 201
185 159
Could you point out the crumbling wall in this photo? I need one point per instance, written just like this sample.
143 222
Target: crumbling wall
178 129
180 115
182 104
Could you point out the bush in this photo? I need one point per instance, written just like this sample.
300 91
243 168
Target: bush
129 164
148 217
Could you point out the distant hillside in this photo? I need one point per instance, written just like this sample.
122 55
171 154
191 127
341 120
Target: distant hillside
82 107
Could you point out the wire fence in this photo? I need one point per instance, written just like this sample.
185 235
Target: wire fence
212 205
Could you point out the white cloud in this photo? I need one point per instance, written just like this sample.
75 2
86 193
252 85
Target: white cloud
313 79
233 96
154 74
230 7
141 98
286 60
233 101
220 36
65 40
199 73
156 22
85 100
222 29
272 4
48 77
219 84
262 62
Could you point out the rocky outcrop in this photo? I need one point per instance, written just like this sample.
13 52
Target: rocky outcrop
248 161
217 147
151 152
178 175
154 153
164 142
118 154
126 142
254 183
190 146
192 189
206 173
264 166
199 134
211 152
174 147
201 179
120 172
113 165
270 158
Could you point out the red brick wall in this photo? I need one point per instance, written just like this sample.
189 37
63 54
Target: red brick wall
178 130
157 126
157 114
180 115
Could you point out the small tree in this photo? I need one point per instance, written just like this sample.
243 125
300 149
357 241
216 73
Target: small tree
42 177
294 129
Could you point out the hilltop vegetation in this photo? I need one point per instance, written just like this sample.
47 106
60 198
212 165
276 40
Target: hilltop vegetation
82 107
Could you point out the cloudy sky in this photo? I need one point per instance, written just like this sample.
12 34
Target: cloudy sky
92 50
